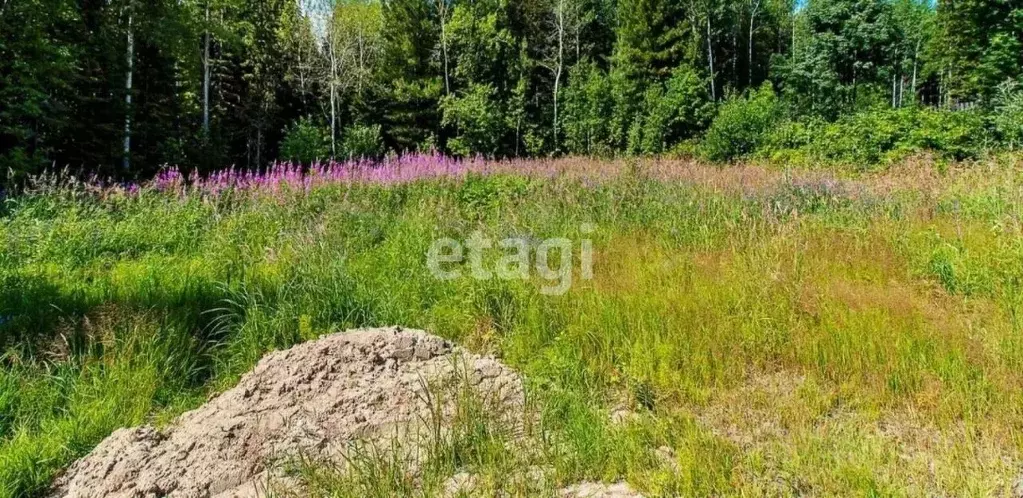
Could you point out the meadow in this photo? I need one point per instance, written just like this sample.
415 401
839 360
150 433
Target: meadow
749 330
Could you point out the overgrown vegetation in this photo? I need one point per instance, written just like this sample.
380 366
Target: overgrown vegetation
778 332
123 87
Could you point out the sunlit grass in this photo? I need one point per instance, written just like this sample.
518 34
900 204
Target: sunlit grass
777 332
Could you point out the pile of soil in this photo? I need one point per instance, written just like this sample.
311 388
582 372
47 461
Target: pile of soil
314 399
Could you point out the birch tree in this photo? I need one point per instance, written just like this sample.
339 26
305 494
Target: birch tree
754 9
129 57
442 13
302 47
701 14
206 73
352 45
564 19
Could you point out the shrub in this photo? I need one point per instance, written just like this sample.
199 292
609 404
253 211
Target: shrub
677 111
955 135
790 140
476 115
305 142
360 141
1008 116
742 125
883 135
863 138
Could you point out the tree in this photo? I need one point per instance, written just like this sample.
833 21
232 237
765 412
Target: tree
443 6
978 45
411 82
754 9
702 13
915 22
845 49
564 24
38 50
478 118
677 110
352 44
589 105
129 58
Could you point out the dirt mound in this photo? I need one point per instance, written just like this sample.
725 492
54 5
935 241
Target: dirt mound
313 399
599 490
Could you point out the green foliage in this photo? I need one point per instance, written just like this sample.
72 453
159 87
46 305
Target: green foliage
588 107
879 136
871 137
478 120
305 141
1008 114
678 111
116 311
37 69
223 81
980 39
742 125
362 142
843 50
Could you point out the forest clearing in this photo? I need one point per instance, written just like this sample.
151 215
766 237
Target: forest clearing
573 248
747 329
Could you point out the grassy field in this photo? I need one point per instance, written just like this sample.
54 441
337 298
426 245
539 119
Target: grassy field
765 332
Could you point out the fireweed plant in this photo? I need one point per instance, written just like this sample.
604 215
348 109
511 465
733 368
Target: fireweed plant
746 331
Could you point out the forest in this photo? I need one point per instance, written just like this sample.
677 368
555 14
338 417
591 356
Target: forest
122 88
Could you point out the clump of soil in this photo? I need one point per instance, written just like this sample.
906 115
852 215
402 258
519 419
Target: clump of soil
599 490
314 399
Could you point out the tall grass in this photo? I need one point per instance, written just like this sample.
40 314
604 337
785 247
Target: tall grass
779 332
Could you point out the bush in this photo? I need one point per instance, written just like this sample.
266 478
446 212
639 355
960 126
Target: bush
884 135
863 138
1008 116
791 135
676 111
954 135
790 140
742 125
305 142
360 141
476 115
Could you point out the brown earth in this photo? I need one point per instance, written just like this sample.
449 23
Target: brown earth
312 400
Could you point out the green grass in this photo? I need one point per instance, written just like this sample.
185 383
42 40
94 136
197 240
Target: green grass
782 333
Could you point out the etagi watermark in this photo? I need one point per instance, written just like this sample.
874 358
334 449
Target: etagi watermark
447 256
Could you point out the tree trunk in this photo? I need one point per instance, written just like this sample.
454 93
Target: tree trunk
578 43
333 97
130 59
894 90
902 88
710 57
443 11
916 58
752 18
206 77
793 39
259 146
735 52
559 64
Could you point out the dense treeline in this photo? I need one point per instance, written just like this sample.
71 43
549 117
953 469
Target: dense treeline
121 87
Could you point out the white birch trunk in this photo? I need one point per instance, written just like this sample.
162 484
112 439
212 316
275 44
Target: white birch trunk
710 57
752 18
130 59
206 77
442 8
559 63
